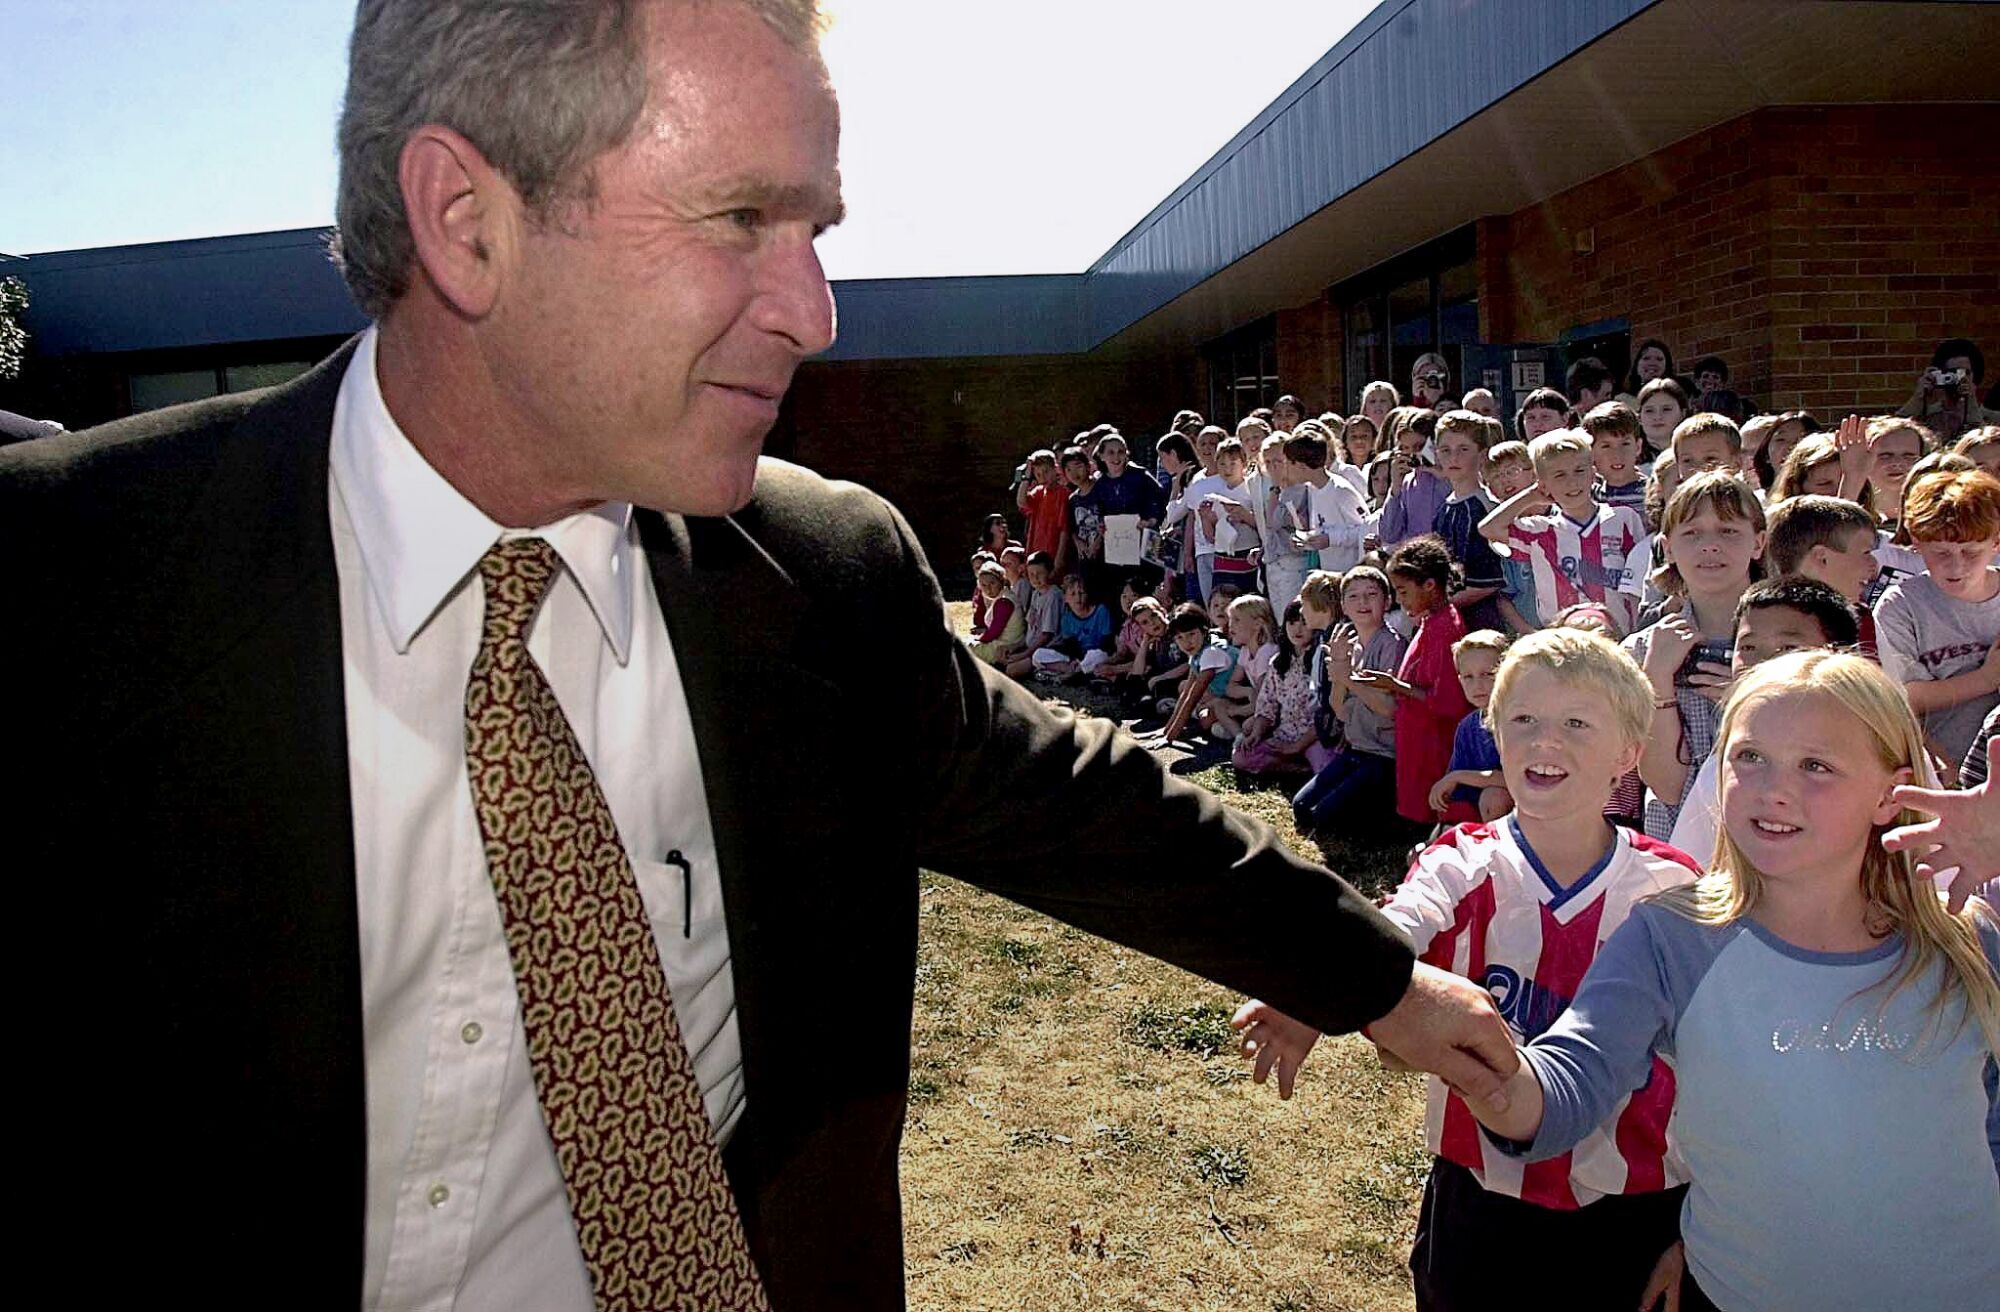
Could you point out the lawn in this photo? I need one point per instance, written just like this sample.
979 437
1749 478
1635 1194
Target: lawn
1082 1133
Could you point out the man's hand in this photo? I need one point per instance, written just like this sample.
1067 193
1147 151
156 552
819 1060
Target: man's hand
1275 1042
1449 1026
1966 832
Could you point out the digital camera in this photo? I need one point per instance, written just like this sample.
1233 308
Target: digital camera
1946 378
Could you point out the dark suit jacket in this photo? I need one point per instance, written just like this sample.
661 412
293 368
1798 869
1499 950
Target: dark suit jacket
189 1069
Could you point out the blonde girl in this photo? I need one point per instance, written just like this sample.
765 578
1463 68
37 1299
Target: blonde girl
1832 1027
1377 400
1253 626
1003 624
1895 445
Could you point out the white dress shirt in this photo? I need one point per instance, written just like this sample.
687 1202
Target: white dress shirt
466 1208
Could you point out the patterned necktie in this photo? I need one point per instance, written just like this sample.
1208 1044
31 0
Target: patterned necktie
654 1214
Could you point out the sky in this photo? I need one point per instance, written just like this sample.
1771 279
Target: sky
977 138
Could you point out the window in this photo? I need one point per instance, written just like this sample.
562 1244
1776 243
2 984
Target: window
1427 300
1242 372
244 377
151 391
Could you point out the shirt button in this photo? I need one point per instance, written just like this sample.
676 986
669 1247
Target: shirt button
472 1032
439 1195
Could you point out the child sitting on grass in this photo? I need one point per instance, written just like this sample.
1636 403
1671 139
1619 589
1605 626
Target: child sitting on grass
1004 624
1319 601
1833 1027
1211 664
1014 560
1081 628
1253 629
1043 619
1472 788
1280 727
1522 906
1358 782
1128 655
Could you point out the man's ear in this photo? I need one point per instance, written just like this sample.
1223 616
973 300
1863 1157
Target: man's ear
463 217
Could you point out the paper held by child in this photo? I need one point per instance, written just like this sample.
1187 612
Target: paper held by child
1124 540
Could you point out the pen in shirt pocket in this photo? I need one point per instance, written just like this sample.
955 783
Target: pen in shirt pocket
674 858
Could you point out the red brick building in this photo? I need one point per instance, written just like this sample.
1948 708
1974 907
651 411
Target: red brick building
1819 214
1809 189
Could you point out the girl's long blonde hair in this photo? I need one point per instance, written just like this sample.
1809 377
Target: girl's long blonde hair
1259 610
1899 900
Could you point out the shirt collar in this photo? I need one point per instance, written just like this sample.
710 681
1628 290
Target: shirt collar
419 537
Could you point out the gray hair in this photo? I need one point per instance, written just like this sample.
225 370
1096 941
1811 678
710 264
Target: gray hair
542 87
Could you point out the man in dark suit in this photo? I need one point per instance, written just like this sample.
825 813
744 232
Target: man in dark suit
268 1045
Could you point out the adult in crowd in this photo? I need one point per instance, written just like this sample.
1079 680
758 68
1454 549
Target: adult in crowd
1430 383
1652 359
1377 400
1122 489
357 978
1588 384
1946 398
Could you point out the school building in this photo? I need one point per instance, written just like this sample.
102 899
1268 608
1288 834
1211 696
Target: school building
1808 188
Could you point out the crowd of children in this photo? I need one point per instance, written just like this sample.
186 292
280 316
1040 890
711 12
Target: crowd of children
1646 670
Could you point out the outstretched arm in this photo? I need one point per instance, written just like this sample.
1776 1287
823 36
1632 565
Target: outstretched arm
1964 831
1196 884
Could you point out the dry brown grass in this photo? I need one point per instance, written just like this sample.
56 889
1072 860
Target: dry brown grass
1082 1135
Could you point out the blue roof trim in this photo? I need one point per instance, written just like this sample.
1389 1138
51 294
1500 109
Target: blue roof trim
929 318
1408 73
256 287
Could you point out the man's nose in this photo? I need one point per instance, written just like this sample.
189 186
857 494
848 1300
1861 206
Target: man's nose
793 298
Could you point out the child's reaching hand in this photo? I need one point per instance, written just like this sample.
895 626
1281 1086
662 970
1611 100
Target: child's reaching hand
1274 1041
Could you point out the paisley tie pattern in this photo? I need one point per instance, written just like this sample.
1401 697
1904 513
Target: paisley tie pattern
654 1213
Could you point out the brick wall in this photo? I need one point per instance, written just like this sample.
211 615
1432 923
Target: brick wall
1885 238
1309 354
1821 251
940 438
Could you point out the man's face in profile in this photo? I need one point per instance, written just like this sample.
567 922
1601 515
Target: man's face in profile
655 328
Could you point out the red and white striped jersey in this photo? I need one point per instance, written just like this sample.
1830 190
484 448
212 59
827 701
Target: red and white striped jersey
1479 903
1605 559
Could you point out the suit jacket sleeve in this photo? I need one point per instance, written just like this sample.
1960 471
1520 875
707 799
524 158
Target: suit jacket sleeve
1075 819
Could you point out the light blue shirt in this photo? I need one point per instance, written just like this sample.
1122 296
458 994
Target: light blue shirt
1844 1153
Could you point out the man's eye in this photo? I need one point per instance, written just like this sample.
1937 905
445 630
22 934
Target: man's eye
747 219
